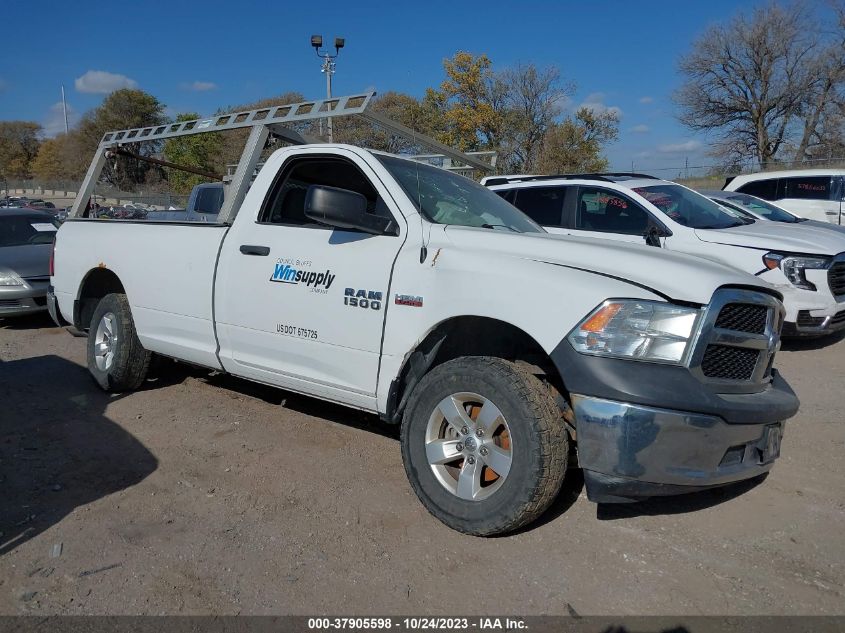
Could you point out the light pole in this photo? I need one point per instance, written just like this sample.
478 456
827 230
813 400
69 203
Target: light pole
328 68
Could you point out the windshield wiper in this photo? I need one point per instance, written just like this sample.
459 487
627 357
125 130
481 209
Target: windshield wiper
504 226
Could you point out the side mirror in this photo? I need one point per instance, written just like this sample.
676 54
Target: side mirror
653 234
344 209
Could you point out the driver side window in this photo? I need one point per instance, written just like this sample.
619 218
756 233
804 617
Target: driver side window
285 203
609 212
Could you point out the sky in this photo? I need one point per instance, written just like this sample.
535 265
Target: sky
199 56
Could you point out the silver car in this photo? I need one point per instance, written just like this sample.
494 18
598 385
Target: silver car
26 242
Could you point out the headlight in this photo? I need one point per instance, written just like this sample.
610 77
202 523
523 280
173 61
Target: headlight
8 278
639 330
793 267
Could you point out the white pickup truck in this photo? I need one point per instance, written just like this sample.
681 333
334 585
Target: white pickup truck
402 289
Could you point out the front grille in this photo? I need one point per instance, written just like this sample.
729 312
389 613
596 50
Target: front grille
838 318
9 303
729 363
743 317
738 338
836 278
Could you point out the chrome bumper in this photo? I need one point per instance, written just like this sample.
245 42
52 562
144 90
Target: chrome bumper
631 451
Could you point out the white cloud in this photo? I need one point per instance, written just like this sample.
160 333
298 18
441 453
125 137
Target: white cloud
595 102
102 82
679 148
200 86
54 122
646 99
641 129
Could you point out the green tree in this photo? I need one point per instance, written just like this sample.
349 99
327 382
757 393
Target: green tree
201 151
48 164
233 141
122 109
575 145
18 147
467 108
397 106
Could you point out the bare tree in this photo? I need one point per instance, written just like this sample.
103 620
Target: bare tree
825 103
761 83
533 100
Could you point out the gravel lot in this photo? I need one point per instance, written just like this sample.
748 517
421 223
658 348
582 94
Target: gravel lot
207 494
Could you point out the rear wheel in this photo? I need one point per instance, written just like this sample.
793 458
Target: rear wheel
116 359
484 445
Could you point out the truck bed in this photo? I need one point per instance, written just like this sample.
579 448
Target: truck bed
172 299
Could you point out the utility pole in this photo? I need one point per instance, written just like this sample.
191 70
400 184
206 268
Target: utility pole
64 107
328 68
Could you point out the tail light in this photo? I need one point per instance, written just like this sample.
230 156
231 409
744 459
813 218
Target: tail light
53 258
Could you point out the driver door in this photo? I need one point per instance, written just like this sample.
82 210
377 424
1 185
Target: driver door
302 305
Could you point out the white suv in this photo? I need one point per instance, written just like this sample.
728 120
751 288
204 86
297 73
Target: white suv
806 263
817 194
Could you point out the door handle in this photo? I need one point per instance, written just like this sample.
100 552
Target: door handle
251 249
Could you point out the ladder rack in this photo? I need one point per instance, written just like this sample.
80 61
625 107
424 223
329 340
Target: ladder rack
272 116
275 121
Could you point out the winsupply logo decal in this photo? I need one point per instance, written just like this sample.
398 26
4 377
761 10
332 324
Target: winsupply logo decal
288 272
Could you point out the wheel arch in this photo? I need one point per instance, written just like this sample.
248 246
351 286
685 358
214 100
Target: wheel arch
96 284
470 336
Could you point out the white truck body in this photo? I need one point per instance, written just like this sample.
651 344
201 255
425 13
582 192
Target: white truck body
456 299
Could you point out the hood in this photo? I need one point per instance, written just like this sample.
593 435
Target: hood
670 274
30 260
777 236
829 226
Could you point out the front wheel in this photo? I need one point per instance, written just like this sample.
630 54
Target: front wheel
484 445
116 359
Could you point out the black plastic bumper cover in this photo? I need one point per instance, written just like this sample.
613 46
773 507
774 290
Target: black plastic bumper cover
670 387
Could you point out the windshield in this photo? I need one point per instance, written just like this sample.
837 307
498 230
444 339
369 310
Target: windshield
21 230
446 198
689 208
761 208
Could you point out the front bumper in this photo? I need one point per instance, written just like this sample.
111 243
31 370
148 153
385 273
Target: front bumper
812 312
630 452
22 300
809 323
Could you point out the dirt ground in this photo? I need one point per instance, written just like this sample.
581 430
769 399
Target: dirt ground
206 494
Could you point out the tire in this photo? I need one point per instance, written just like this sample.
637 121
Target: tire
537 442
112 324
